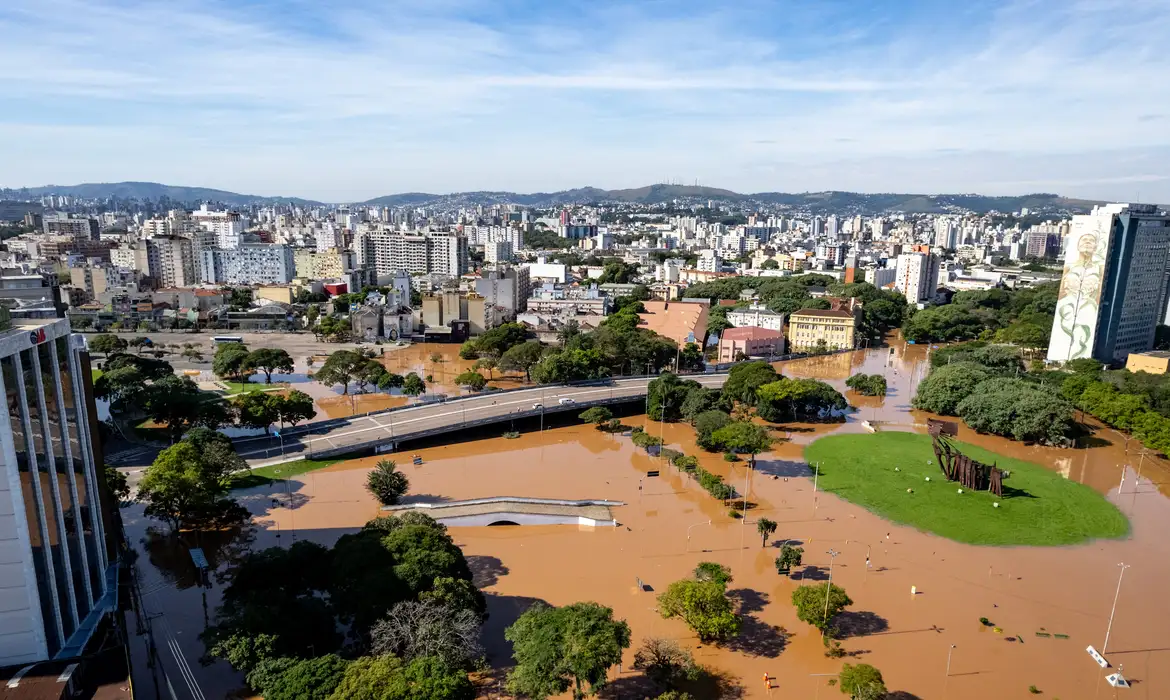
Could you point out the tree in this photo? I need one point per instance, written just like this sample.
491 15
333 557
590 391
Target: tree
295 407
941 323
746 377
570 365
333 328
122 387
472 380
257 409
867 384
522 358
388 678
862 682
946 386
413 385
561 648
707 424
691 357
268 360
743 437
666 663
386 483
230 360
495 341
703 605
176 402
703 399
107 343
340 368
795 399
488 362
790 557
598 415
186 483
139 342
304 679
765 527
116 483
810 602
368 372
150 368
666 396
712 571
414 629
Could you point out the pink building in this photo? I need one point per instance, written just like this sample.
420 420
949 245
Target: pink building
751 341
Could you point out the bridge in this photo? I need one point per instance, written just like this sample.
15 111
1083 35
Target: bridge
509 510
384 430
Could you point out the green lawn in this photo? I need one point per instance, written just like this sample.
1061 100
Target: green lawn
97 374
262 476
1039 507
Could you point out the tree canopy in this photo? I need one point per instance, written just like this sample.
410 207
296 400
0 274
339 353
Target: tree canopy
561 648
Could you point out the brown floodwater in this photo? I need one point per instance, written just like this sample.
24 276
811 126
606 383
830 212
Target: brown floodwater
669 524
418 358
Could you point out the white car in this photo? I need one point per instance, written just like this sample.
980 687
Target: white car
566 402
537 406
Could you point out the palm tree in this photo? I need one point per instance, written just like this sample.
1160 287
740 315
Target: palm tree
386 483
765 527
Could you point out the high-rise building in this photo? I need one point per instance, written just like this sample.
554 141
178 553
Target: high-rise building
171 261
1114 283
56 579
251 263
916 276
946 234
387 252
69 225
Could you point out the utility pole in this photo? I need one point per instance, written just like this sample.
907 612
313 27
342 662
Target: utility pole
829 587
1109 629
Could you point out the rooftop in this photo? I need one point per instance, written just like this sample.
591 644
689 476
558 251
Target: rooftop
1160 354
822 313
750 333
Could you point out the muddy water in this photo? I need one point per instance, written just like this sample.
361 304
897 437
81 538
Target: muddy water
417 358
668 525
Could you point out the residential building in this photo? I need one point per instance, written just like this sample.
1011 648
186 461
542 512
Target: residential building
227 226
881 277
430 253
750 341
70 225
1153 362
1114 284
681 321
552 272
507 289
57 579
317 265
756 316
1042 242
27 293
250 263
916 276
497 251
577 232
709 261
552 299
815 329
171 261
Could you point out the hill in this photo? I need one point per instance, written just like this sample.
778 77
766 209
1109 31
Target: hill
832 201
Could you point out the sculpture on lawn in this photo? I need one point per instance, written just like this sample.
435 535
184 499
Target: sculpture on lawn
957 466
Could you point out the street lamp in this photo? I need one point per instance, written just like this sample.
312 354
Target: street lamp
1105 646
949 652
689 532
829 588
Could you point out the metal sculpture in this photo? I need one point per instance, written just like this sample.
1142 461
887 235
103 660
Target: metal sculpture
957 466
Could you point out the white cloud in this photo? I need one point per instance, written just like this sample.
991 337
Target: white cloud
350 100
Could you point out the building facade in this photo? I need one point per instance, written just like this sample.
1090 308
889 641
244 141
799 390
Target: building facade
171 261
757 317
55 575
916 276
749 341
251 263
1113 288
815 329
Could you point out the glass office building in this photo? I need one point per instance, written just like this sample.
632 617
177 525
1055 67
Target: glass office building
56 579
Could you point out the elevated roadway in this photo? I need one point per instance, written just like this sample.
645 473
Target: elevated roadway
381 432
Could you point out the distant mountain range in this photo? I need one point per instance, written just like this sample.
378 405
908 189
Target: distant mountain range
841 202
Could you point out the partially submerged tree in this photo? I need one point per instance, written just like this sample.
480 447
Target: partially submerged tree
386 483
561 648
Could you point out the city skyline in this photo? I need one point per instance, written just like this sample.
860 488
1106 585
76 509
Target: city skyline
358 101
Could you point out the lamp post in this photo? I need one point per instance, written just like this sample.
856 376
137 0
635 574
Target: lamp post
829 587
949 652
1109 629
689 532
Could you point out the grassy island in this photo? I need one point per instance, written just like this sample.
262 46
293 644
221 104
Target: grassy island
1039 507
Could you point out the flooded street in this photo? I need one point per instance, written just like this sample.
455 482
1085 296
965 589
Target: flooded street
668 525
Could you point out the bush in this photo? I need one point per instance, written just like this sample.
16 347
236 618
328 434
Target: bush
713 484
867 384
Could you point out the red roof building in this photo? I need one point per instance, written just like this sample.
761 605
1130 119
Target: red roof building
749 341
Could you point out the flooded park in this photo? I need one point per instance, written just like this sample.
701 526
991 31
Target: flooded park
917 605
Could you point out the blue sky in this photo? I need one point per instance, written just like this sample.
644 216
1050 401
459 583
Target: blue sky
351 99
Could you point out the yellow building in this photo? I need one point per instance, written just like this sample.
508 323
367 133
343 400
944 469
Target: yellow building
322 266
1154 362
808 327
283 294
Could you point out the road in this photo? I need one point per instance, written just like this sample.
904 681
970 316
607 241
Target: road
370 432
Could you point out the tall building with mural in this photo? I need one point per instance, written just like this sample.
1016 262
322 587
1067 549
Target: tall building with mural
1113 285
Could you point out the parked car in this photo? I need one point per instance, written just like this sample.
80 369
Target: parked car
566 402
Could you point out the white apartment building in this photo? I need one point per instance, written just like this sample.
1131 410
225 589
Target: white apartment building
757 316
228 226
56 578
916 276
946 233
880 276
709 261
497 251
251 263
387 252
